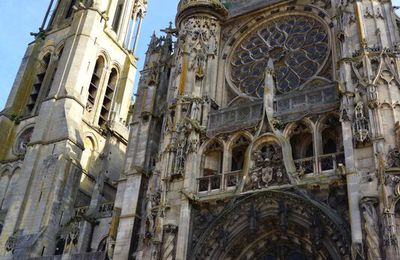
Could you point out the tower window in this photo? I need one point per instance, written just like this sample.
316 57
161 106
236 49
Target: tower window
117 17
53 74
70 10
108 97
94 83
37 85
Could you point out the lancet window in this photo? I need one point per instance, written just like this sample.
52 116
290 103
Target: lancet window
118 16
38 83
331 145
213 158
212 164
70 9
301 140
95 83
108 98
239 149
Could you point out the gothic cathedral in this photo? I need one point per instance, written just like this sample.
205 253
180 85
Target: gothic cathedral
261 129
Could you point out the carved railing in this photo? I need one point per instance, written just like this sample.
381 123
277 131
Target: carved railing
234 118
329 162
326 162
209 183
104 210
293 106
218 182
306 165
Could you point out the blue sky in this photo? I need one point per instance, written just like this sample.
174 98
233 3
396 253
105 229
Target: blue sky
21 17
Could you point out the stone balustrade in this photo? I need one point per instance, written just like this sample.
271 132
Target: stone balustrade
218 182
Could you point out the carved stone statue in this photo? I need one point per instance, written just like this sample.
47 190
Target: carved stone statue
181 150
360 127
149 219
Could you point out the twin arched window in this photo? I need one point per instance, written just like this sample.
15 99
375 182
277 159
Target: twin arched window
95 86
214 176
327 134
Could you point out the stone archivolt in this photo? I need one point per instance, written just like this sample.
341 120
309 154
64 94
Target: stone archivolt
260 225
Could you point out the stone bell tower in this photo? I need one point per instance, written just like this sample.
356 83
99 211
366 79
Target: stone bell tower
64 129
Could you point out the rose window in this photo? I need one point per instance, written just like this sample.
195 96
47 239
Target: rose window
297 45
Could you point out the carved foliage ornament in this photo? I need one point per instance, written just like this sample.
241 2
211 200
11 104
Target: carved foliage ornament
298 46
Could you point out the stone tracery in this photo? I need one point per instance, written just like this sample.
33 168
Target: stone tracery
298 45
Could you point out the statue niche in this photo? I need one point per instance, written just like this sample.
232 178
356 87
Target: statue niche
267 168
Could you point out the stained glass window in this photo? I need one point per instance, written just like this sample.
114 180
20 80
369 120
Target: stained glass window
297 45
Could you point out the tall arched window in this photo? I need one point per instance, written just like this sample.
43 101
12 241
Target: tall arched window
301 140
108 98
332 144
38 83
212 167
239 149
70 9
118 16
95 82
53 73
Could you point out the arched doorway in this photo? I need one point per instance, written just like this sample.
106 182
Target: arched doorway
270 225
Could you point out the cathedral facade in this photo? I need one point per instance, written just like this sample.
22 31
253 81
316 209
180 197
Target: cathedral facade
261 129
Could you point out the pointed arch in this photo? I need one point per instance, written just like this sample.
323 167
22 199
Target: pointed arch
331 147
108 99
237 148
95 81
272 218
212 161
301 135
